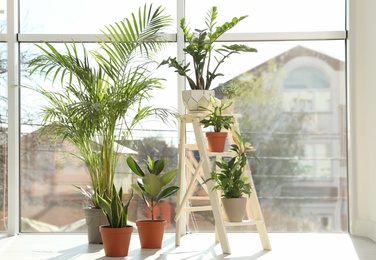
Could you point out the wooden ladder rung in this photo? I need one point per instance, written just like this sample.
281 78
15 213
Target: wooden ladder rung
247 222
197 208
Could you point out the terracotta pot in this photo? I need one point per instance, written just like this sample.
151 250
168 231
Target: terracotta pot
216 141
197 100
94 219
151 233
234 208
116 240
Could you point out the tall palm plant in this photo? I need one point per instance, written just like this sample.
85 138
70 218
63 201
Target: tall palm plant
104 93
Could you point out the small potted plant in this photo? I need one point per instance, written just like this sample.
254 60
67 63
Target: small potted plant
219 122
229 90
117 235
230 180
206 58
152 187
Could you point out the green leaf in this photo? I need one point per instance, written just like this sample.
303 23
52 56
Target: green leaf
168 177
166 193
159 166
152 184
135 167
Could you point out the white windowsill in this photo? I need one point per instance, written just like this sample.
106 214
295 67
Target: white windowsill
194 246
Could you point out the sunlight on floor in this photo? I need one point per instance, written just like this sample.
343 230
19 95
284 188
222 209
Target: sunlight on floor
194 246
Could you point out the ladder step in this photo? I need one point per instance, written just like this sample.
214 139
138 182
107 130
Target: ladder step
223 154
247 222
197 208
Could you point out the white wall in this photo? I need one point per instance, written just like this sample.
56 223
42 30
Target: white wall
362 90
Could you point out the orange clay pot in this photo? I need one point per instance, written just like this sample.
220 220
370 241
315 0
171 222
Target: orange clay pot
116 240
151 233
216 141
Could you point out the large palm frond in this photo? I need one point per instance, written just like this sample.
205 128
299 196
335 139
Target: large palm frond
103 94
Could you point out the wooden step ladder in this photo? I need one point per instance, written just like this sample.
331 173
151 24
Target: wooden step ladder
201 171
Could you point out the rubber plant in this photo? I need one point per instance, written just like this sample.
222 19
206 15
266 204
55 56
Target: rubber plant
152 186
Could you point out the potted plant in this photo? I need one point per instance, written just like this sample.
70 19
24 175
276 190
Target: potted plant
152 187
117 235
229 90
102 95
219 122
230 180
206 58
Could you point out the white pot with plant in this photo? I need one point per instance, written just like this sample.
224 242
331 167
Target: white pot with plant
205 58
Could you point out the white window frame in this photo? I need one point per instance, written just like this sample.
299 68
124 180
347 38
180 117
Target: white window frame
13 39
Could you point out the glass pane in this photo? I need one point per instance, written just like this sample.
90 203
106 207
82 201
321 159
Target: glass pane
3 140
83 17
301 181
3 20
50 203
272 15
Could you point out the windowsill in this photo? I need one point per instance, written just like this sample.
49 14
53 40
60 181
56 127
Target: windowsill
194 246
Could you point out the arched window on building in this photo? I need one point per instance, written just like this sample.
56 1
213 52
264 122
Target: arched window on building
307 89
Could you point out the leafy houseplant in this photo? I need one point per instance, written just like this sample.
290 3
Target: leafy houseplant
103 93
206 58
117 235
152 188
215 119
229 90
229 177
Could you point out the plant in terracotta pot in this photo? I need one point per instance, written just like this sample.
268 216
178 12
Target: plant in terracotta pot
97 97
117 235
152 187
219 122
230 180
205 58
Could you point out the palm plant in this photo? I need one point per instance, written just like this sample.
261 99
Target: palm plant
104 93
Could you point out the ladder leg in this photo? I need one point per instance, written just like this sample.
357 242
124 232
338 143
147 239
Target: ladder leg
181 180
257 214
219 224
261 228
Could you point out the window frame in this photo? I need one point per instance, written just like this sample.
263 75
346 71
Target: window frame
13 39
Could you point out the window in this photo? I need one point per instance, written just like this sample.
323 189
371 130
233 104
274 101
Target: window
307 89
3 139
292 102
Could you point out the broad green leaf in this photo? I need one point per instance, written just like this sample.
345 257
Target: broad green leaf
168 177
152 184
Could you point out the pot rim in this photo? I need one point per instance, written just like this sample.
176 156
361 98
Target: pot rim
149 220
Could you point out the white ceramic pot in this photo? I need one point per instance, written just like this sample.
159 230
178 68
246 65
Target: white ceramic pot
234 208
197 100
